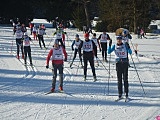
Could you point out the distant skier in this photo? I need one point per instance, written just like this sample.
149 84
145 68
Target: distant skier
104 38
27 48
95 40
57 63
59 36
142 33
41 32
121 49
75 48
88 47
19 42
23 27
34 32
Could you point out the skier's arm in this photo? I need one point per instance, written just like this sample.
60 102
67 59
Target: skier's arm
54 33
49 56
80 46
129 36
30 38
108 37
73 45
111 49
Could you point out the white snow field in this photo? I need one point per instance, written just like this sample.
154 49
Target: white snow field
22 89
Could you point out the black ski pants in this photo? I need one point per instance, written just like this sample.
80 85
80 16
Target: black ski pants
104 50
122 72
75 54
41 39
27 51
88 56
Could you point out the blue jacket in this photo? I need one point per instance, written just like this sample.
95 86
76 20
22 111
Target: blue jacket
111 49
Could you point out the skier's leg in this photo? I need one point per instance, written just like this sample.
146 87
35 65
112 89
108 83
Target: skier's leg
43 42
60 68
125 78
119 78
39 39
80 56
29 55
91 61
54 71
85 60
25 55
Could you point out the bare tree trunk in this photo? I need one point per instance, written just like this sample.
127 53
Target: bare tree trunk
134 16
87 13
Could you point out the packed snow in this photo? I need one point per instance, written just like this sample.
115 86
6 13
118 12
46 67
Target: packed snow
22 89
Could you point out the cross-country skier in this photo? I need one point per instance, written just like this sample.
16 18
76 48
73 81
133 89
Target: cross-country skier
41 32
121 49
57 63
95 40
34 31
27 48
88 47
126 36
75 48
19 42
59 36
103 38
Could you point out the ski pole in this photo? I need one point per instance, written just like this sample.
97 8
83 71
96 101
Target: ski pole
105 67
138 75
77 68
109 72
70 57
135 50
48 45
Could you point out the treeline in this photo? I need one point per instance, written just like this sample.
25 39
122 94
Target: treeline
112 13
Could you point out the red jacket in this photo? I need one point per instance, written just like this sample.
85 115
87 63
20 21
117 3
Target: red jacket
56 61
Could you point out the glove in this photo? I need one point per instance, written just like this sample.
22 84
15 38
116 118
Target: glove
110 42
65 59
47 66
100 49
127 45
72 49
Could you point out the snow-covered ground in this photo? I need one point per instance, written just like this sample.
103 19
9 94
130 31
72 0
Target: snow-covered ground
22 89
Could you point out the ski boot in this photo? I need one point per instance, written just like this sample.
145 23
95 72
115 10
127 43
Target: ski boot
84 78
94 78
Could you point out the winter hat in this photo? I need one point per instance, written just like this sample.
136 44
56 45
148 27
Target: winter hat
94 34
86 35
56 41
77 36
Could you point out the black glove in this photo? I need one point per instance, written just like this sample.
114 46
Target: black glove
47 66
100 49
72 49
65 59
110 42
127 45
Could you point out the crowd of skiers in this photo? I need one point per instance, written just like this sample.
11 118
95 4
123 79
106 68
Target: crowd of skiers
89 46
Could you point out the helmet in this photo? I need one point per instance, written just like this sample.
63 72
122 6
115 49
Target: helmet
86 35
77 36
